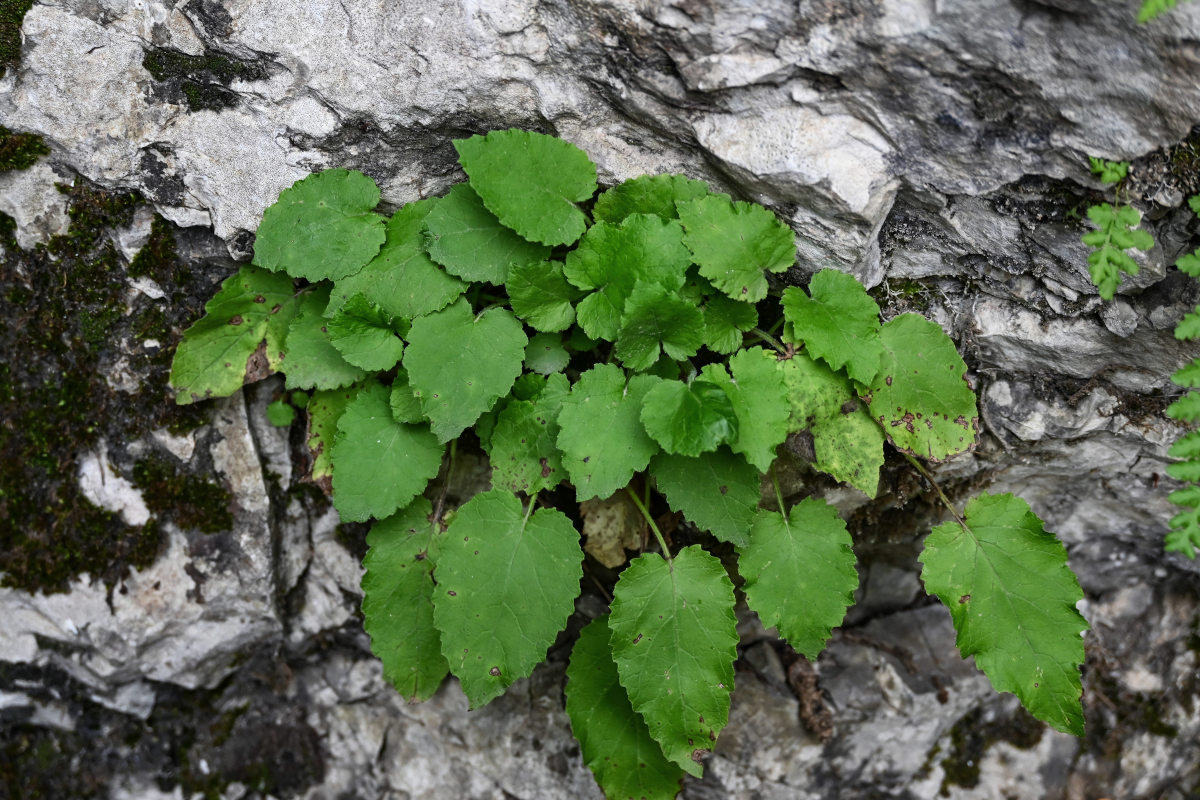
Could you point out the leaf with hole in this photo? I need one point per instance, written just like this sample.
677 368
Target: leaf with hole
212 356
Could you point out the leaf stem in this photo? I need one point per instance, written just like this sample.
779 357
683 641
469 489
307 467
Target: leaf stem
441 501
929 477
662 542
778 494
769 339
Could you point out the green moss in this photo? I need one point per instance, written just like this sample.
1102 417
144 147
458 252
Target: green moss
12 14
192 503
64 305
971 737
201 80
20 150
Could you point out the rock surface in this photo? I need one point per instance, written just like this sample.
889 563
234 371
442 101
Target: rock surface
935 150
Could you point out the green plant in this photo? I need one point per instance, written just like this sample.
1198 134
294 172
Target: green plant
1153 8
613 343
1184 536
1116 232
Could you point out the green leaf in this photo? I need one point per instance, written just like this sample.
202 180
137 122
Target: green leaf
674 640
654 316
545 354
799 572
541 296
322 227
648 194
1184 536
1194 204
612 259
848 443
839 324
468 240
404 404
1189 326
1109 171
523 444
1012 597
1190 263
920 395
734 242
398 602
718 492
602 439
402 280
379 465
1188 375
531 182
280 414
1186 408
277 329
849 447
365 335
689 419
309 359
760 402
324 410
506 583
1153 8
459 364
725 320
211 358
613 739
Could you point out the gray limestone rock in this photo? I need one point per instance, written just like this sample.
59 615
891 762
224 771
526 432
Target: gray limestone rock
937 150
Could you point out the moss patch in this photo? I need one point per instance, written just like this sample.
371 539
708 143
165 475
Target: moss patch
20 150
12 14
971 737
190 502
66 324
201 81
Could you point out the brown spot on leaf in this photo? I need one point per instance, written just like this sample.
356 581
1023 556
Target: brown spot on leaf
964 598
452 593
494 672
236 319
723 489
638 639
260 299
888 380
